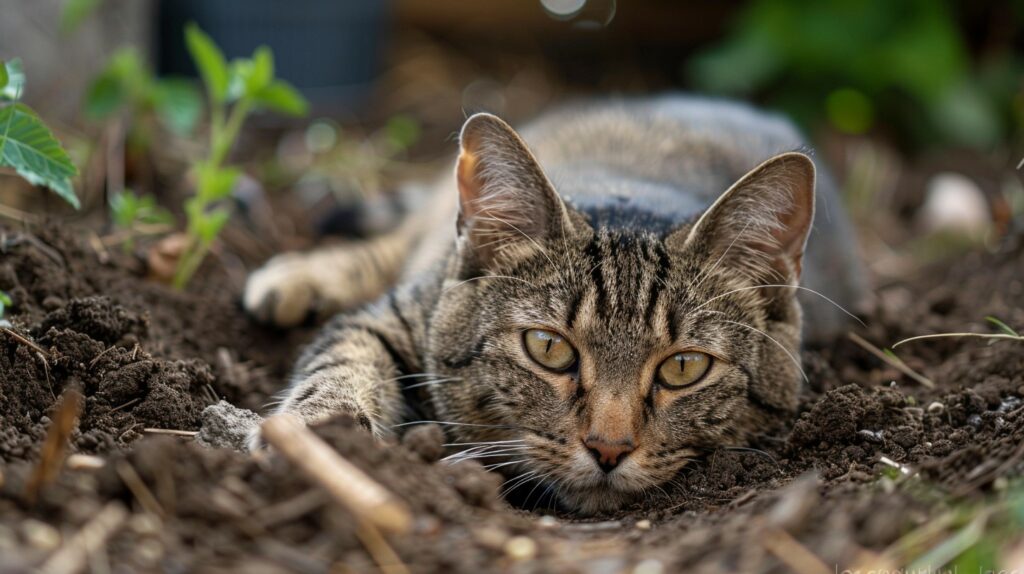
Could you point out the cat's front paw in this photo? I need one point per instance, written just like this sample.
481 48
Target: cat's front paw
283 291
314 412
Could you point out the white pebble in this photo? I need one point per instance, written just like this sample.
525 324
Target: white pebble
521 548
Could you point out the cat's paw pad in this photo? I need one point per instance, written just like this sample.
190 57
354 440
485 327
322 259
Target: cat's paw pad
282 292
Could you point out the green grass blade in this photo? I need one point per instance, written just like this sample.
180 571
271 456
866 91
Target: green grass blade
1002 326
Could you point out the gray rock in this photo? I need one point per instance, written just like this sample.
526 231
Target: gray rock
227 426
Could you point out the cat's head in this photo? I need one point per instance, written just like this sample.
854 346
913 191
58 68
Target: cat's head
605 360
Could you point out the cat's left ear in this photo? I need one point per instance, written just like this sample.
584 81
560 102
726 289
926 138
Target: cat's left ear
507 206
759 227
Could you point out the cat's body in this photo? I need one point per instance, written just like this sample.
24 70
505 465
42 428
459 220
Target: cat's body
581 308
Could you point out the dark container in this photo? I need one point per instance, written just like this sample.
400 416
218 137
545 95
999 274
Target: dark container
329 49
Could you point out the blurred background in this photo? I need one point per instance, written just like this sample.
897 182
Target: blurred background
917 104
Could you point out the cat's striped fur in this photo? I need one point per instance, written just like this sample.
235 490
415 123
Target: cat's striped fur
600 231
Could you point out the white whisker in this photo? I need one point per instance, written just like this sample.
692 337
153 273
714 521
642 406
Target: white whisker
796 362
727 293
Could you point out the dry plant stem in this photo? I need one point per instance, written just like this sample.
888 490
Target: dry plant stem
27 342
382 552
55 445
894 363
346 483
1002 336
175 432
74 555
793 554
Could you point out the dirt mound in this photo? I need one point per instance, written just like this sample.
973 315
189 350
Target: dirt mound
145 356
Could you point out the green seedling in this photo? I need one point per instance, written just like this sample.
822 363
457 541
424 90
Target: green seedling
26 144
127 85
234 92
5 302
138 215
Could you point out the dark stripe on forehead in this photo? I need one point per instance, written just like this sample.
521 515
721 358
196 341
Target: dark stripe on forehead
596 262
659 279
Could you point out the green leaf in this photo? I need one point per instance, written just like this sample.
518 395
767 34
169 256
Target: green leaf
15 81
281 97
209 60
262 71
4 76
5 301
178 104
215 183
28 146
75 12
1002 326
211 224
123 208
105 96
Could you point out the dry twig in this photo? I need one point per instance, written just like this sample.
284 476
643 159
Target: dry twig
346 483
55 445
74 555
891 360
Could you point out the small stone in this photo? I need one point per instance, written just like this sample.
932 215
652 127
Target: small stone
521 548
227 426
649 566
547 521
936 408
643 524
491 536
40 534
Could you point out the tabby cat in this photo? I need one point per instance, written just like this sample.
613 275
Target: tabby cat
589 306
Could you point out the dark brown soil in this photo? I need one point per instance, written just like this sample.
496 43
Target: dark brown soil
146 356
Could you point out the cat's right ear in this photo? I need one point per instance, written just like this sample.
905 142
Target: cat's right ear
507 206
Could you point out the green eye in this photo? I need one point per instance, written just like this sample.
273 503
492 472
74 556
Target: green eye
549 349
684 369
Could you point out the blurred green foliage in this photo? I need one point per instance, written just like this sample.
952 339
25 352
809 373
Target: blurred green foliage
126 83
863 64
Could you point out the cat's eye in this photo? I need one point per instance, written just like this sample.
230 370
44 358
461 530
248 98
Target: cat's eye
549 349
684 369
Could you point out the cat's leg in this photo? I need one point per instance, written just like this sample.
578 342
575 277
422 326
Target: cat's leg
354 366
289 286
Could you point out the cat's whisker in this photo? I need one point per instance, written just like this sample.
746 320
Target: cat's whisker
501 464
800 287
519 480
437 382
480 277
540 481
412 376
518 440
453 423
459 457
796 362
491 217
707 272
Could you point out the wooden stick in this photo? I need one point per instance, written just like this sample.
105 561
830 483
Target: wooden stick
345 482
73 556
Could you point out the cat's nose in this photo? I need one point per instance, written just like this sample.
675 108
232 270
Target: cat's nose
608 454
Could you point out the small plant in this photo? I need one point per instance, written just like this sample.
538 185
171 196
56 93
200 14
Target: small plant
127 84
5 302
26 144
138 215
234 92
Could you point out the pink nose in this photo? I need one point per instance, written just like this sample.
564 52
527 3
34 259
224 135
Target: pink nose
608 454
